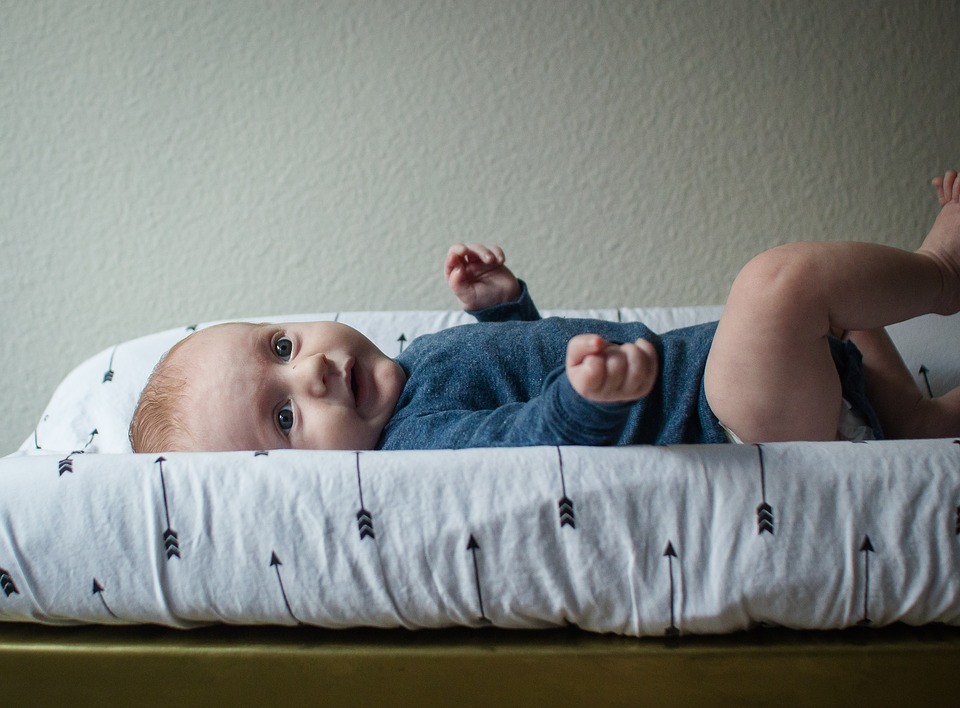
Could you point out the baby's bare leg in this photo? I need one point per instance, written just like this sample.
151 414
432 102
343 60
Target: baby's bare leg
903 409
770 375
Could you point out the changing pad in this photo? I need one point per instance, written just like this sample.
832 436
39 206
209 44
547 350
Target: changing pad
634 540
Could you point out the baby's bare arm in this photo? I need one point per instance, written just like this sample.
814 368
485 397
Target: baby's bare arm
604 372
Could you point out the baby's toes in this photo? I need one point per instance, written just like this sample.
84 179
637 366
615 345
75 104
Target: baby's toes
938 188
950 187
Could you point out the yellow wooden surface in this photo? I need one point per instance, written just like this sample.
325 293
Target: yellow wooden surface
217 666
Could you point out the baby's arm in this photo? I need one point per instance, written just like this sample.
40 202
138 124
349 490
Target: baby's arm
479 277
604 372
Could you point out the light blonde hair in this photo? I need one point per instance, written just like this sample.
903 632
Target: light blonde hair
157 424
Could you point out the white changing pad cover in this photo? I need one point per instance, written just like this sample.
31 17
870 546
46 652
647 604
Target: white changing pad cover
633 540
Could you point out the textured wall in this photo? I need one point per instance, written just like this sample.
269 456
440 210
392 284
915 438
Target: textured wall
168 162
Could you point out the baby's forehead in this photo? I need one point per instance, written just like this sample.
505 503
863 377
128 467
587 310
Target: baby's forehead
217 343
223 385
220 335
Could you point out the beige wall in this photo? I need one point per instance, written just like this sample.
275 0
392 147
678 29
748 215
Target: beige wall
168 162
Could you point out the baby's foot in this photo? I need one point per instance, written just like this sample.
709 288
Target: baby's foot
947 187
943 241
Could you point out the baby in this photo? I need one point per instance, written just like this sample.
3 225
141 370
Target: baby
799 348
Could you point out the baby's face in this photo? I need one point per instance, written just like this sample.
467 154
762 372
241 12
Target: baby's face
312 385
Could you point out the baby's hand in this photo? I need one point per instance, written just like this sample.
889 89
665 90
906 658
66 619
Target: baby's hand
608 373
478 277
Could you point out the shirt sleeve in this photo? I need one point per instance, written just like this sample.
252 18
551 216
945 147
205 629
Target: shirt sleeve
520 309
558 416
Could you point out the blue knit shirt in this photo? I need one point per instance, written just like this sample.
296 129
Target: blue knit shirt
502 382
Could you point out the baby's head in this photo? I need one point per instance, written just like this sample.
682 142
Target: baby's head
237 386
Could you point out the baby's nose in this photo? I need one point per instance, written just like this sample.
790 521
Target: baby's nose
313 374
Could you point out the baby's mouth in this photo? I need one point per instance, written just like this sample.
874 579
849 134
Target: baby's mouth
354 387
353 381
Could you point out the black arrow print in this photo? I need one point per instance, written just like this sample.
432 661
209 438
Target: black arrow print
171 541
567 515
275 563
473 547
364 517
108 375
669 553
36 442
923 372
98 590
191 328
93 434
866 548
66 464
261 453
6 583
402 339
764 510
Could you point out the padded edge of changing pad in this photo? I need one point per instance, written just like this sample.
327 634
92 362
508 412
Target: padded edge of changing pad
636 540
90 410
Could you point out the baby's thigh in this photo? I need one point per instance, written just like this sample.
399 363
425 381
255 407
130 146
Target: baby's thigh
765 387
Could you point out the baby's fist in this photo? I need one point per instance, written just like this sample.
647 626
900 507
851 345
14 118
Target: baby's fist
609 373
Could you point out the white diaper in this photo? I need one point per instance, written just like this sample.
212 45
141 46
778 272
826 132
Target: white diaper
851 427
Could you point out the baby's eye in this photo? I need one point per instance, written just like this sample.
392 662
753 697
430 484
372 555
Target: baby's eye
283 348
285 418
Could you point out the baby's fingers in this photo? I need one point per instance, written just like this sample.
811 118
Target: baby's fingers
605 372
455 258
462 254
582 346
643 369
489 255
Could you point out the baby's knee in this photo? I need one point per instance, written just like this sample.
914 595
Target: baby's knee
782 277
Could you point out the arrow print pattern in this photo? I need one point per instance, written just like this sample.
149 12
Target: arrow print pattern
866 548
108 374
567 514
275 564
474 547
764 510
670 553
364 517
98 590
6 583
171 540
765 518
66 464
